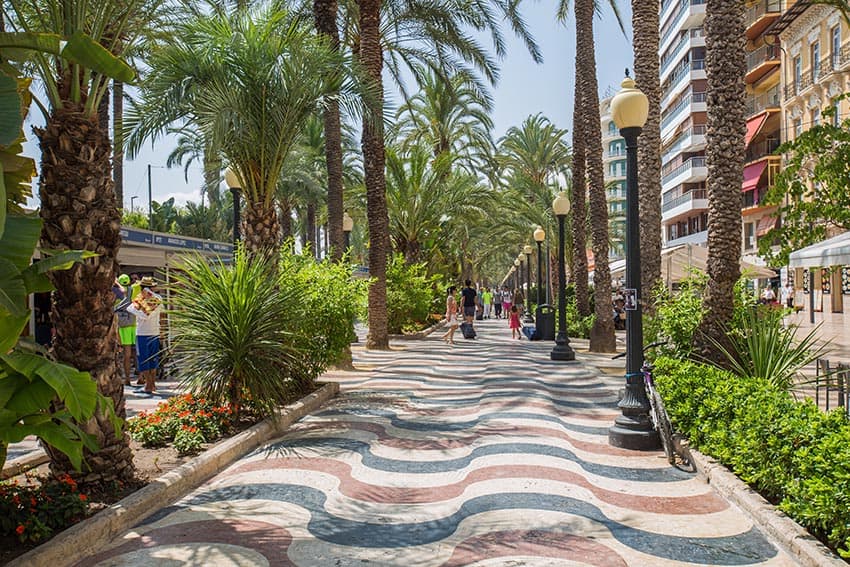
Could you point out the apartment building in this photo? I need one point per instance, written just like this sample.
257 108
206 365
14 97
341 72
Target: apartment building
764 122
815 70
684 203
614 164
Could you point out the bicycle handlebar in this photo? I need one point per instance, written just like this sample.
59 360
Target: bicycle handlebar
646 348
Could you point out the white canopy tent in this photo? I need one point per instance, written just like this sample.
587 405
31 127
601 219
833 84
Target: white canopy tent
678 262
832 252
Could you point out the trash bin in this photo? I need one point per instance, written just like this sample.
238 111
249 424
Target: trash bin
545 322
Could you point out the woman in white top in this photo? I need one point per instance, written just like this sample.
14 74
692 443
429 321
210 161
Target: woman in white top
147 307
451 316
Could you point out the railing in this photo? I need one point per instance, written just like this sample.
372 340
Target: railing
761 149
827 65
674 51
696 161
762 55
770 99
675 145
673 23
684 68
681 105
671 204
758 10
615 153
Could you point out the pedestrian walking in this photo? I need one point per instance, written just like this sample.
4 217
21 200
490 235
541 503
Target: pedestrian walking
126 326
147 308
497 303
514 323
470 300
451 316
519 301
507 301
788 296
487 297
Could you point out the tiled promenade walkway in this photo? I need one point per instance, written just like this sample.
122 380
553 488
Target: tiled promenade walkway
485 453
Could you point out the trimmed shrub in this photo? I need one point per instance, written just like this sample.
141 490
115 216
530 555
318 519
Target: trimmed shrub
795 455
412 296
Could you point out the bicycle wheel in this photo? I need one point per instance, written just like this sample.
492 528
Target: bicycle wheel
662 423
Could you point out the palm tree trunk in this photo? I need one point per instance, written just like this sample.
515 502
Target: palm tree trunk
261 229
212 175
325 13
118 141
646 39
286 222
311 230
79 212
602 334
371 57
579 205
725 68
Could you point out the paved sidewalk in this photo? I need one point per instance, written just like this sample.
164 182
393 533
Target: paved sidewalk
484 453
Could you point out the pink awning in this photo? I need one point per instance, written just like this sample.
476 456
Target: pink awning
765 224
753 126
752 173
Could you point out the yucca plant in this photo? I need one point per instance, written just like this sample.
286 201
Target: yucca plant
763 347
230 332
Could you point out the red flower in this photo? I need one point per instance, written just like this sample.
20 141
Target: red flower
20 529
83 497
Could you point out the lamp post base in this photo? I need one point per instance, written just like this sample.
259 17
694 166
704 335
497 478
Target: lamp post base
562 350
634 433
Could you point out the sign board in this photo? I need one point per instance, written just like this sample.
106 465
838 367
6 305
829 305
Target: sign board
630 299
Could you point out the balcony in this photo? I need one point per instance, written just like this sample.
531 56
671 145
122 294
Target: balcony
760 15
761 150
687 13
685 72
691 171
690 103
700 237
764 101
835 62
615 153
684 204
687 141
691 39
761 61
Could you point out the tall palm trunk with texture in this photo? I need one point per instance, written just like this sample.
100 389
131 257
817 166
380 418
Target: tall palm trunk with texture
646 39
578 203
602 334
371 57
261 229
725 67
312 241
79 211
118 142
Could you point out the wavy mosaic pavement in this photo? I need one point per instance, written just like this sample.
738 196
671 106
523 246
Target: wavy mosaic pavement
483 454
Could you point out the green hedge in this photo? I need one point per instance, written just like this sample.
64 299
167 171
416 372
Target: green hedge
795 455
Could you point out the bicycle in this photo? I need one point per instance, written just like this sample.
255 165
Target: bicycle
675 447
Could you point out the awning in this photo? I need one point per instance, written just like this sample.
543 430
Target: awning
752 174
832 252
753 126
765 224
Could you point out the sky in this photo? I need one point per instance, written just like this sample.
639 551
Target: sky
524 89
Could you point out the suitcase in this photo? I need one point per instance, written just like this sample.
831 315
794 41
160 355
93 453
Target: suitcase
467 330
479 315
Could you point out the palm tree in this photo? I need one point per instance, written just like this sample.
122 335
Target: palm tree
248 82
602 334
578 199
78 204
725 67
646 38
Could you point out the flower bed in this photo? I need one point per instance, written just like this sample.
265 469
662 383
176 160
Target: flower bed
32 512
184 421
795 455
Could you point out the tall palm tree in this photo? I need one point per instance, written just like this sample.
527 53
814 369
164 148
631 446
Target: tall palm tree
646 38
78 204
602 334
325 16
248 81
725 66
578 265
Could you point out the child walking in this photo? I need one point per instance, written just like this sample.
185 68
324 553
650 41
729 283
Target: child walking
514 323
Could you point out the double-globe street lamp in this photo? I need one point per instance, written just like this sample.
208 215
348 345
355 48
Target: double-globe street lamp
527 250
562 349
633 429
235 186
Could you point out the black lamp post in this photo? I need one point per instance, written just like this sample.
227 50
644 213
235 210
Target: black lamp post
527 250
347 227
517 273
539 237
633 429
562 349
235 186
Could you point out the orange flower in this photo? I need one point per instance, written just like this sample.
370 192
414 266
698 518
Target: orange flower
83 497
20 529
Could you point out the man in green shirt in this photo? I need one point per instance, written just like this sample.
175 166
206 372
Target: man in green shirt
487 298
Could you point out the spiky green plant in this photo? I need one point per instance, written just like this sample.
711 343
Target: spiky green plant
230 332
764 347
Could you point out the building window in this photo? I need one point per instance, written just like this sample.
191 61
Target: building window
612 128
798 127
815 62
798 73
749 236
836 46
815 116
836 113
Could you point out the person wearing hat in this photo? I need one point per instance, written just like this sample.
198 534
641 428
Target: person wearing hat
126 325
147 308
